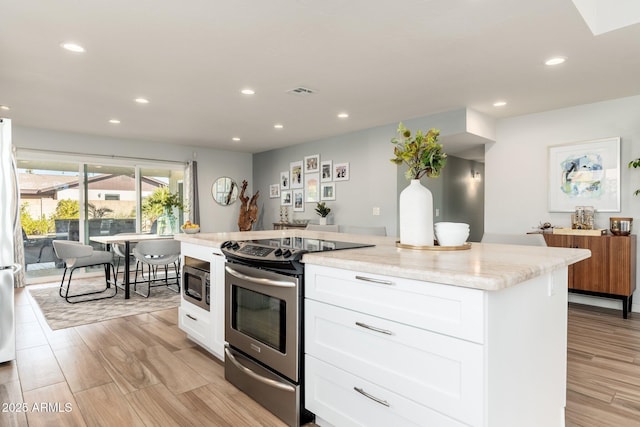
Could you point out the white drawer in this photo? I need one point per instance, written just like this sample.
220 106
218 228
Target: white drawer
196 323
331 394
434 370
450 310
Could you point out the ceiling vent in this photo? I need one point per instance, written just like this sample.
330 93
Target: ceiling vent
301 91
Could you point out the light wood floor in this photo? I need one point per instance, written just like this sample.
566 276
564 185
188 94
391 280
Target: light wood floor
143 371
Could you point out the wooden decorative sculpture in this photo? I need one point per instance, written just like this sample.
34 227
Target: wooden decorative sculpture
248 209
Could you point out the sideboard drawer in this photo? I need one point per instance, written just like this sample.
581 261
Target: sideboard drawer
443 373
445 309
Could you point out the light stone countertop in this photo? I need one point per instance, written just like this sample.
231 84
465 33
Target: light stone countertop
486 266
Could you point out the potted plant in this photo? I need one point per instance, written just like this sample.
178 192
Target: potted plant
323 210
424 156
160 205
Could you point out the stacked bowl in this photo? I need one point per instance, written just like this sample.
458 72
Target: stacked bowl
451 233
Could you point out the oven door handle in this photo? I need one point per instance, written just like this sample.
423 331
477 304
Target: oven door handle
260 280
267 381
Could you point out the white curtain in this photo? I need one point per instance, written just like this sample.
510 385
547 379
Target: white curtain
19 280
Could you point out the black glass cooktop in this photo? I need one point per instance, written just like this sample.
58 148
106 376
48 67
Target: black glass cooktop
281 251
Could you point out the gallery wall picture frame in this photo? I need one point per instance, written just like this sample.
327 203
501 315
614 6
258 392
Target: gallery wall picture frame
274 191
312 187
298 200
341 171
296 177
284 180
585 174
312 163
328 191
326 171
286 198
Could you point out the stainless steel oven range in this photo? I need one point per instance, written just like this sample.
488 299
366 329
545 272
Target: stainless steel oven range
264 329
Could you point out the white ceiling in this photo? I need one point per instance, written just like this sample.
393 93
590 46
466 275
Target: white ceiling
382 61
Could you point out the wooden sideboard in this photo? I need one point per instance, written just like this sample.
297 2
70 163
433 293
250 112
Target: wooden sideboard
611 270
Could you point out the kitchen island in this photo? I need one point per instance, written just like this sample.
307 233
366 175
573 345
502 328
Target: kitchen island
405 337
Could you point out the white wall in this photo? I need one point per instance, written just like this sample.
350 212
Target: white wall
211 164
516 166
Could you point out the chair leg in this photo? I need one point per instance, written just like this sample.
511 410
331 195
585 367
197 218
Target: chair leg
67 296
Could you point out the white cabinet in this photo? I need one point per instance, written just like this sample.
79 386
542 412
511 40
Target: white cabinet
383 351
202 326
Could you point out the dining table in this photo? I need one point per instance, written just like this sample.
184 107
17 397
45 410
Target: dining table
126 239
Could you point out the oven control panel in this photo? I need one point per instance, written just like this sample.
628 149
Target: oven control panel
253 251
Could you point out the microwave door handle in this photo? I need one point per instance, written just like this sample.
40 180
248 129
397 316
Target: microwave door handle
267 381
260 280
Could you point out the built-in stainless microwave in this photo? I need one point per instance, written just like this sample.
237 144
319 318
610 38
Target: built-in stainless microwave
196 282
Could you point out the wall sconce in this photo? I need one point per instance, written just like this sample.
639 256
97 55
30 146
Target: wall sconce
475 175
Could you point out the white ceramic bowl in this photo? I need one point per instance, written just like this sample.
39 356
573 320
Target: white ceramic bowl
452 237
451 226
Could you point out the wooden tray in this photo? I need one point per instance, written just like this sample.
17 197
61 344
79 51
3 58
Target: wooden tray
435 247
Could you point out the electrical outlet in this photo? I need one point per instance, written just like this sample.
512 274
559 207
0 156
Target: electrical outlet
376 211
437 212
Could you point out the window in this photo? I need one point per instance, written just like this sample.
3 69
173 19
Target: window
78 200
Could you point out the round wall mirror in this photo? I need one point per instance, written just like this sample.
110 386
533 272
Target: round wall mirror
224 191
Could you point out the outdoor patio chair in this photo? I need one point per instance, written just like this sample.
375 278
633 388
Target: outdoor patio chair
77 255
155 254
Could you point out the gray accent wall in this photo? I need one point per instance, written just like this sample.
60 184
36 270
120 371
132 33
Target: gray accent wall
374 182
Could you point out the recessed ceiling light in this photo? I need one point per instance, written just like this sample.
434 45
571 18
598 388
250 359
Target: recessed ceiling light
5 107
72 47
235 138
114 121
278 126
500 103
248 91
343 115
142 100
555 60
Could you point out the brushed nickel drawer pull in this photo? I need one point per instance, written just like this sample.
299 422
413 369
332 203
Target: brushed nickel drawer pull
372 280
191 317
373 328
375 399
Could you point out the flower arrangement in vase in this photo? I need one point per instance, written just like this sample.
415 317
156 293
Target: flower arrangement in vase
323 210
424 156
160 205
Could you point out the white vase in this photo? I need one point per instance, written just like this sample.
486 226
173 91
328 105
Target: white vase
416 215
323 220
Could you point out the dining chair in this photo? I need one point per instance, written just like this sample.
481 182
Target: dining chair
318 227
372 231
77 255
119 251
155 254
536 239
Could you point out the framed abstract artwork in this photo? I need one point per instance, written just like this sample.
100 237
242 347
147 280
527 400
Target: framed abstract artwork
585 174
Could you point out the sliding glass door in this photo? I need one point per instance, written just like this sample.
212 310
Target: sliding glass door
79 200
